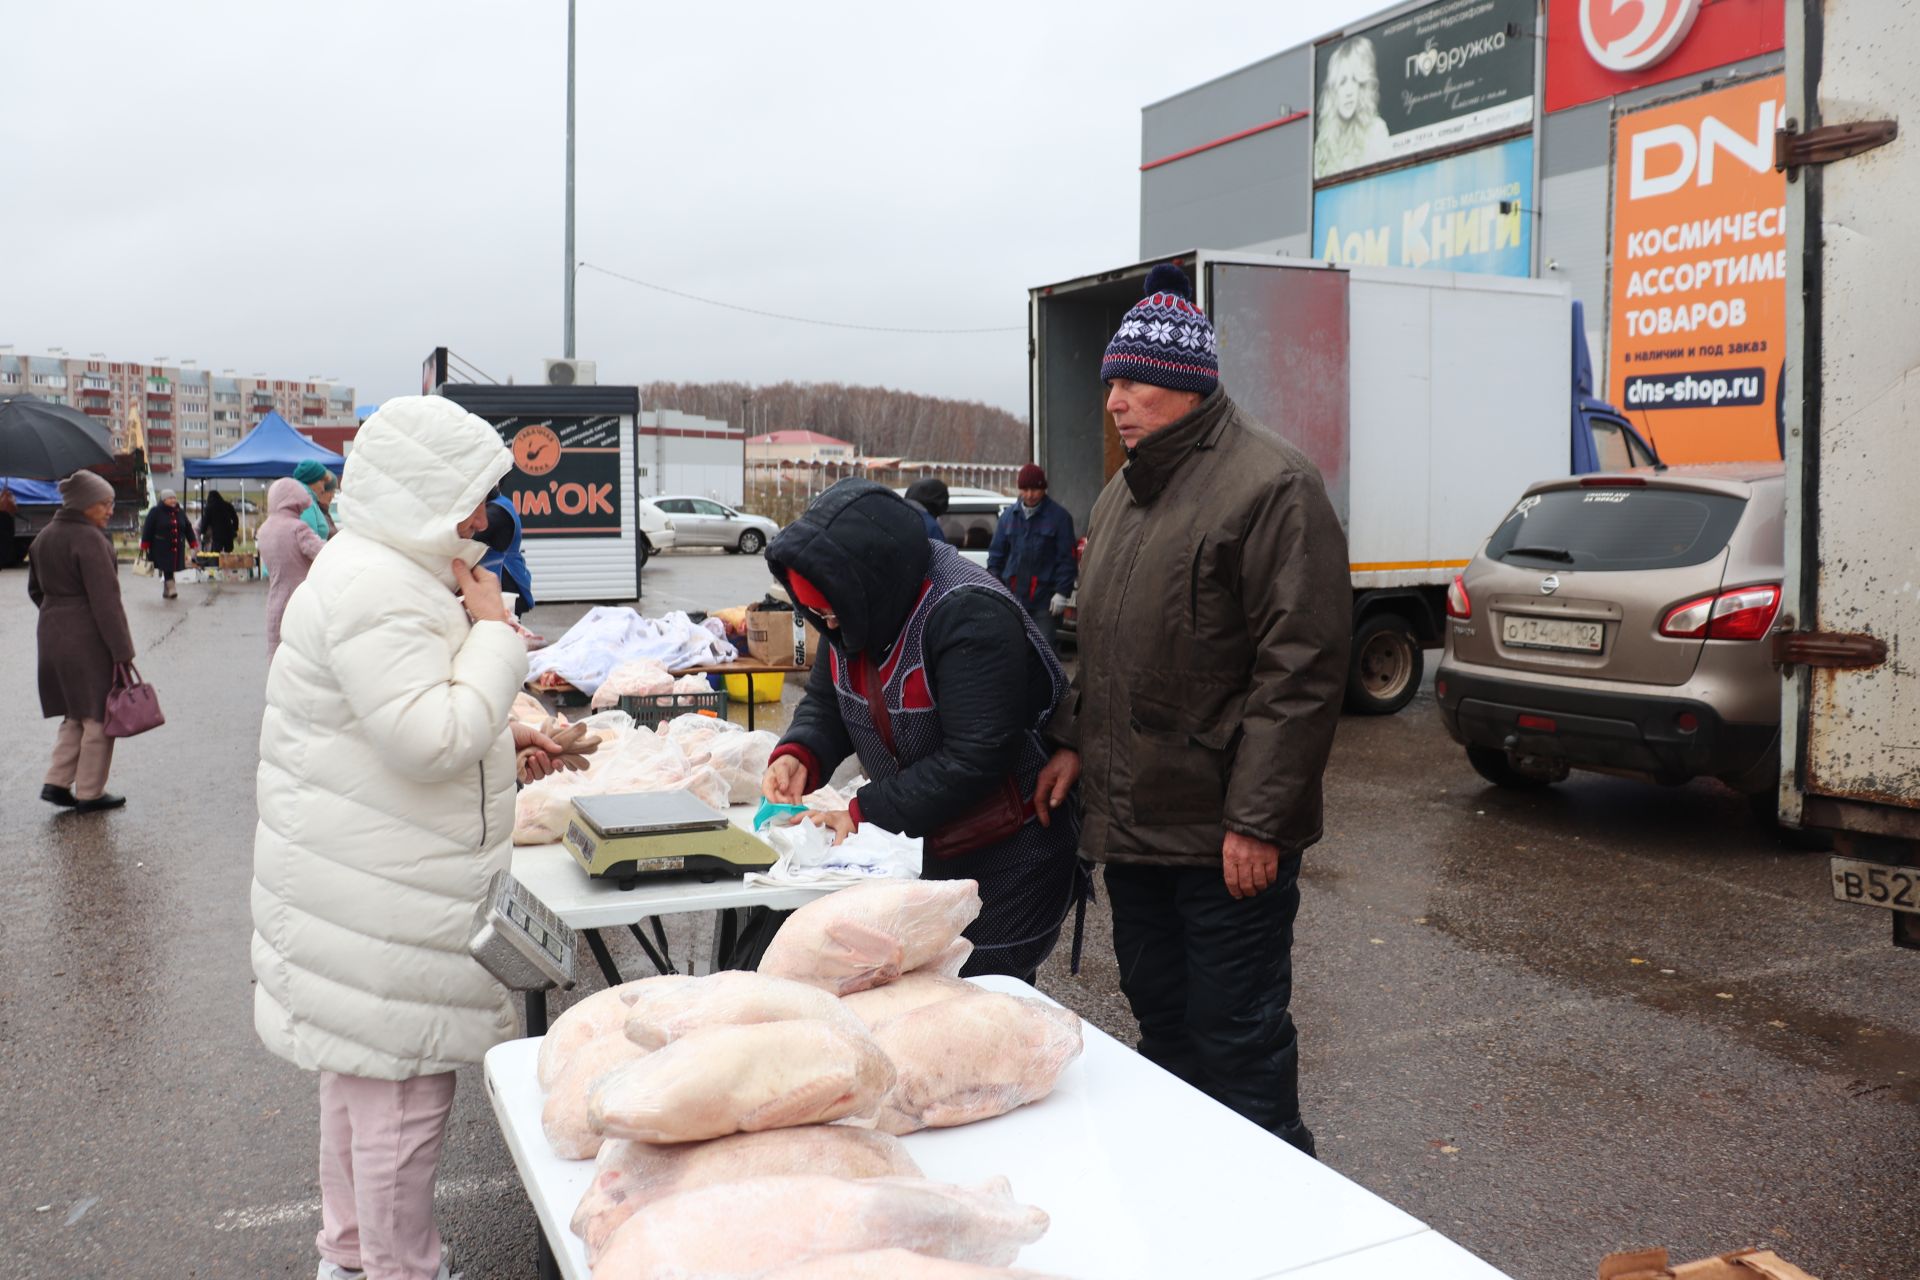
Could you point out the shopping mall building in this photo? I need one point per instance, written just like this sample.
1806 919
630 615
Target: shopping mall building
1624 149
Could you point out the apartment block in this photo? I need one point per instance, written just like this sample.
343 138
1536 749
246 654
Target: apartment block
182 411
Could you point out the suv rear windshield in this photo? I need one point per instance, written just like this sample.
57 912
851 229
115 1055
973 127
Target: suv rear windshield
1623 528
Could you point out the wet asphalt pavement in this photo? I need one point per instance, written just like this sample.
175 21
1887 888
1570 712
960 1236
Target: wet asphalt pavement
1551 1025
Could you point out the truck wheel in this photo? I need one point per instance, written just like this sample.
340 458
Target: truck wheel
1492 764
752 542
1386 666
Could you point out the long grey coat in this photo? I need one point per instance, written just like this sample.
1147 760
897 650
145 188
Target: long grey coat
73 579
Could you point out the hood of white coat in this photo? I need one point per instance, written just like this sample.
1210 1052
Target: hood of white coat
419 466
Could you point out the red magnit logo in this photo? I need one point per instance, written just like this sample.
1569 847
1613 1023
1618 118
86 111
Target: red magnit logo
1626 35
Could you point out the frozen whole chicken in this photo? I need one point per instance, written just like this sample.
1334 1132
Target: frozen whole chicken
731 997
604 1013
895 1264
742 1229
910 991
564 1117
629 1175
722 1080
635 678
974 1058
869 934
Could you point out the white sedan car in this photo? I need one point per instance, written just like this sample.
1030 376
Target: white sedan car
702 522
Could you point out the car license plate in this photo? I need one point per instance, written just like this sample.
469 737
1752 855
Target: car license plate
1551 633
1873 885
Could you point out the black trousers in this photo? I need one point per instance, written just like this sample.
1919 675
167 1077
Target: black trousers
1210 977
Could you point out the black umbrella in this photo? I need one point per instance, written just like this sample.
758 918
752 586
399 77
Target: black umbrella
44 441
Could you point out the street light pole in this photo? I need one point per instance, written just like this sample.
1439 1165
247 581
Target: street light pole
568 342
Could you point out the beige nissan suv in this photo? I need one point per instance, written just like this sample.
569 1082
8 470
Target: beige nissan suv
1619 622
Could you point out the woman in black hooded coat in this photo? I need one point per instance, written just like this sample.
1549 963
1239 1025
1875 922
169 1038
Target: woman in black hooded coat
963 686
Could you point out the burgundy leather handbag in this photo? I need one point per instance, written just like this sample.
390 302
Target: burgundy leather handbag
997 817
132 705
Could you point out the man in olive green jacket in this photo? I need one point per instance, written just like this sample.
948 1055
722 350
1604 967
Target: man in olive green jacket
1215 609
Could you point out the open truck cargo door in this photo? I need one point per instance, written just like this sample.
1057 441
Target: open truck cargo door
1851 715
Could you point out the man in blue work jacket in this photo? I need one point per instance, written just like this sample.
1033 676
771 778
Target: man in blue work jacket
1032 550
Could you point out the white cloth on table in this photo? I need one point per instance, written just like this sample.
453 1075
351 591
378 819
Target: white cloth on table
612 634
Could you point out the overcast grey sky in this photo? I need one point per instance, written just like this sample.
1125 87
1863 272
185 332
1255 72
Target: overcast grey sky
334 188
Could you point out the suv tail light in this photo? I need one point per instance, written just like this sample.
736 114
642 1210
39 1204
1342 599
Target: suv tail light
1458 605
1614 482
1745 613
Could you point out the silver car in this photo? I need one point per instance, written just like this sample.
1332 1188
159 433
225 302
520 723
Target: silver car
702 522
1620 623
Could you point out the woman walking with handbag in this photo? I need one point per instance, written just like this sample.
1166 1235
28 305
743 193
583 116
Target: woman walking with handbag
942 685
167 540
74 581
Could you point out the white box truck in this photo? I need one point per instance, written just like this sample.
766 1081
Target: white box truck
1850 609
1429 400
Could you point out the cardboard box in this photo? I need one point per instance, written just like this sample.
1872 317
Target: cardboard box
1741 1264
780 637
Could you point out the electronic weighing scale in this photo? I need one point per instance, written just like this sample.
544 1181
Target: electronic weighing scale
628 838
519 941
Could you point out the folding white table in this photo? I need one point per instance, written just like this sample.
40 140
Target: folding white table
549 873
1142 1175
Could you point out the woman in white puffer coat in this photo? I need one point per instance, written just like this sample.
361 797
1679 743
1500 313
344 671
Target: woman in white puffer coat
386 792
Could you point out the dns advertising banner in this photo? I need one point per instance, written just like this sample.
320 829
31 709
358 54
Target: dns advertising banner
1434 78
1698 324
1444 216
565 480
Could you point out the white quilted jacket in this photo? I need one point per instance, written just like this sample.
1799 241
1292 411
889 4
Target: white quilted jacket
386 778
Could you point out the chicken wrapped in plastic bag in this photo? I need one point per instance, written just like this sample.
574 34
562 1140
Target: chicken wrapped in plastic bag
907 993
604 1013
731 997
629 1175
635 678
743 1229
869 934
722 1080
896 1264
974 1058
564 1117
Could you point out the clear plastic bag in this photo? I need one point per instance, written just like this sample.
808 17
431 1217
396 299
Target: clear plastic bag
722 1080
635 678
628 1175
746 1228
731 997
974 1058
869 934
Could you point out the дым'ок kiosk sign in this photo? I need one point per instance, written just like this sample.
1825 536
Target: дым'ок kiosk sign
566 474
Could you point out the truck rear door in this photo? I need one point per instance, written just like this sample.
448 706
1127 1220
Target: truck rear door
1852 705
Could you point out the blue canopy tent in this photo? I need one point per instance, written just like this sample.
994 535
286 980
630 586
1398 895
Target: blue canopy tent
31 490
271 450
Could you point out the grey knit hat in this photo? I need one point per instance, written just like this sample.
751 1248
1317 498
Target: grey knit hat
82 489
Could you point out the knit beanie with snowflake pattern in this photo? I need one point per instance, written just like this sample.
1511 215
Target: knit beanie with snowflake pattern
1165 341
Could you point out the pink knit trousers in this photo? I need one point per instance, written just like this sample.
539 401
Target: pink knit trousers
379 1146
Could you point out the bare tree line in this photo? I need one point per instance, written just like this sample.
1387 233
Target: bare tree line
880 422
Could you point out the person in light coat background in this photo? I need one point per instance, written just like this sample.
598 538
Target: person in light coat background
288 546
386 798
